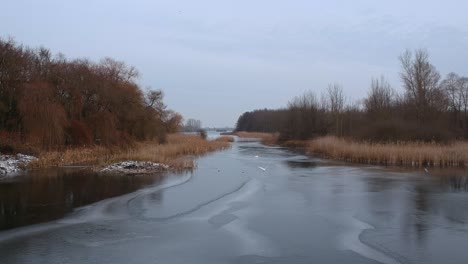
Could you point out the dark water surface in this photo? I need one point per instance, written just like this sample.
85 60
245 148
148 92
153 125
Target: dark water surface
46 195
249 204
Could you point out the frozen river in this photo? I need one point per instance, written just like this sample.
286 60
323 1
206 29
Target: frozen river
248 204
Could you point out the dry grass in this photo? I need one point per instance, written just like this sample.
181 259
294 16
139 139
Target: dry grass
178 153
295 143
401 154
266 138
225 139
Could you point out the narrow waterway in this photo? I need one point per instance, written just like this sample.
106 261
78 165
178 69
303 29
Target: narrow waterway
248 204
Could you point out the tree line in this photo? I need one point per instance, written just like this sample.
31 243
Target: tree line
429 109
192 125
51 101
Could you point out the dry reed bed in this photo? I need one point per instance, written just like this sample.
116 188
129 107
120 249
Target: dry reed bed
402 154
225 139
266 138
178 153
295 143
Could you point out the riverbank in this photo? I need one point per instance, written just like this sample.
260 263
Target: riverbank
415 154
225 139
236 212
266 138
178 153
13 163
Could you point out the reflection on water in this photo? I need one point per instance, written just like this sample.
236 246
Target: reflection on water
51 194
379 184
302 163
456 180
424 201
415 202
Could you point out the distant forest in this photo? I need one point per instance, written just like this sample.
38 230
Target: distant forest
49 101
429 109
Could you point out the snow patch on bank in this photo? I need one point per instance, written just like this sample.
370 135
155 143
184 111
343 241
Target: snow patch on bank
14 163
135 167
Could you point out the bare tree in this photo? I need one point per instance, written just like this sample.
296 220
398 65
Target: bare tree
336 103
379 99
304 118
154 100
192 125
336 99
118 70
463 84
456 91
421 81
451 86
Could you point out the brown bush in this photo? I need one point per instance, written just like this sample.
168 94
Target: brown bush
78 133
43 117
53 102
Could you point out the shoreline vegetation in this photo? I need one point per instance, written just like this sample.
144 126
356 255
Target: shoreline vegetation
225 139
422 124
79 112
414 154
178 153
76 111
407 154
266 138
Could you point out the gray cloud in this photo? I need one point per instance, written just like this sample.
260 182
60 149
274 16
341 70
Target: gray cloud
217 59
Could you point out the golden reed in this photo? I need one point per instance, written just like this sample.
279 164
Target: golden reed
266 138
418 154
178 153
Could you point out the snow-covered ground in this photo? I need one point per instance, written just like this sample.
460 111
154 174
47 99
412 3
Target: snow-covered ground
135 167
13 163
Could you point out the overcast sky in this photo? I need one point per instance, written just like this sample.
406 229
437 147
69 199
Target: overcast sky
217 59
